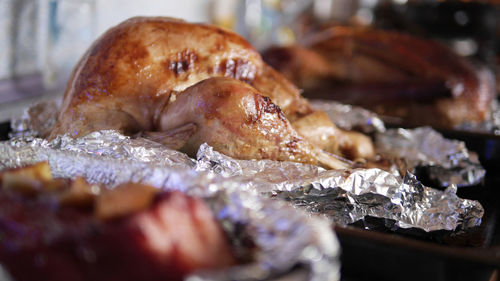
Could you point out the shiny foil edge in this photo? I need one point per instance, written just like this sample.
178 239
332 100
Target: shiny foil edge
346 196
350 117
446 161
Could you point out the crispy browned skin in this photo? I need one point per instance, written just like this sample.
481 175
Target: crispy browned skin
127 77
357 56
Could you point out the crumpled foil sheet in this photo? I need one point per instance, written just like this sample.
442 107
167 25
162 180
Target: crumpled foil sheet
265 176
284 237
350 117
346 196
446 161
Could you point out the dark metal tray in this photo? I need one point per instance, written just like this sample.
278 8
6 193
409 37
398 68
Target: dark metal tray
4 131
381 254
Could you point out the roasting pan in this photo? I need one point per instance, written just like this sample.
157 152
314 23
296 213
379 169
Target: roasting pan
383 254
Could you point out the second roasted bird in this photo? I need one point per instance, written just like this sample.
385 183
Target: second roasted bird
394 74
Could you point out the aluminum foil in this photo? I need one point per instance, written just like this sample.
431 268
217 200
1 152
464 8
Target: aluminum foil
346 196
283 179
446 161
284 237
350 117
263 176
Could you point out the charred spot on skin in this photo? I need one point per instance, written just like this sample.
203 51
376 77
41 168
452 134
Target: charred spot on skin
237 68
293 144
264 104
260 103
251 119
270 107
183 62
264 154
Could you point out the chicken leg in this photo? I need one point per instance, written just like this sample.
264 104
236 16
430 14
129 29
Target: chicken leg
236 120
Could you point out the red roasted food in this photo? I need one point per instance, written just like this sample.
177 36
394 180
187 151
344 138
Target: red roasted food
130 233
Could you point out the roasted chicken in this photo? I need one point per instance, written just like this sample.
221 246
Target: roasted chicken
151 75
392 73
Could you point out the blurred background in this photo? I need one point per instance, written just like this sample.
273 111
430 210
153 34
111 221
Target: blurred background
41 40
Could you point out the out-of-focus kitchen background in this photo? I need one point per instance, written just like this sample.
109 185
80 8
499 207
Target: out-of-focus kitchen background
41 40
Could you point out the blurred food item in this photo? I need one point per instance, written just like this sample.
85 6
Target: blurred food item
79 193
169 236
391 73
29 180
470 28
200 83
124 200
